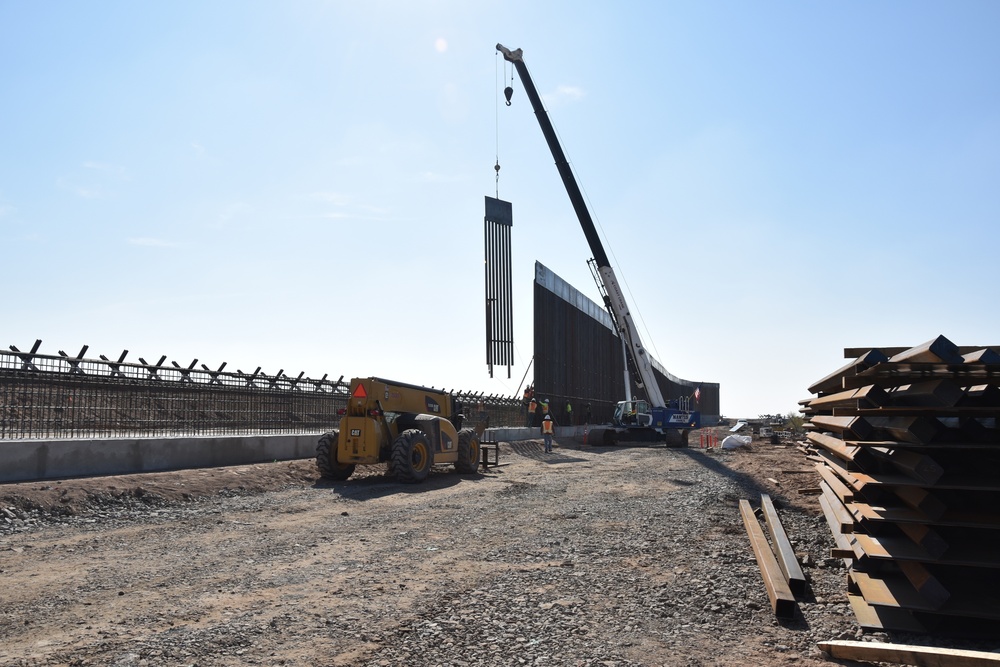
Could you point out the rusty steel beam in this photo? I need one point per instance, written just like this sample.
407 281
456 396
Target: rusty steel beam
861 456
787 561
871 396
839 487
968 412
835 380
938 350
778 592
921 500
924 582
920 467
974 352
838 516
941 393
855 428
891 374
981 356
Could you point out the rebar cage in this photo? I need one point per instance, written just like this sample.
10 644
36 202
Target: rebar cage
59 396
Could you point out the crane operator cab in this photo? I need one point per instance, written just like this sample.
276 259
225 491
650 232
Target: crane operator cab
633 413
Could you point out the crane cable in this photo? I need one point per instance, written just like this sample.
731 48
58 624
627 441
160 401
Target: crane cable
496 111
628 288
611 250
507 93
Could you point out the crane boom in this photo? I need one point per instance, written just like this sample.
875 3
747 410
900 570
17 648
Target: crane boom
614 299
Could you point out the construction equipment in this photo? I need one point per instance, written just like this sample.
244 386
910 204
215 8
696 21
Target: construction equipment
407 426
653 418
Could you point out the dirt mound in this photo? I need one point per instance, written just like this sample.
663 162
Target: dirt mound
76 495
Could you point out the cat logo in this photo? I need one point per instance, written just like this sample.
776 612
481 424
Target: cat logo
355 432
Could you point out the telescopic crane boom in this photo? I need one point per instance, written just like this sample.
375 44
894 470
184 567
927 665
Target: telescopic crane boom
614 299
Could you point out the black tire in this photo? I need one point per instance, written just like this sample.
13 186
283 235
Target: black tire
326 459
677 438
411 457
469 452
601 437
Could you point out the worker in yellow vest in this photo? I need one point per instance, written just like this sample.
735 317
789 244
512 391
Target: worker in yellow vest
547 430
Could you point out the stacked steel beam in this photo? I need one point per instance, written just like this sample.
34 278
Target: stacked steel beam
907 447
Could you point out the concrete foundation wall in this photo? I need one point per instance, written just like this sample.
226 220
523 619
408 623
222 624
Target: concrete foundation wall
32 460
29 460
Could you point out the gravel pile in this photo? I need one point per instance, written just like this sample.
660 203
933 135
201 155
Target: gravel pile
606 577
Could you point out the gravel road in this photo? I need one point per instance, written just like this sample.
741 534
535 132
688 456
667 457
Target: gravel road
586 556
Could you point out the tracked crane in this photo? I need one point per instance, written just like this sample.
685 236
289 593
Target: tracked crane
632 417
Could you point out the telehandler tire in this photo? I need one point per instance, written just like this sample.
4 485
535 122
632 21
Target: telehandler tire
411 457
469 451
326 458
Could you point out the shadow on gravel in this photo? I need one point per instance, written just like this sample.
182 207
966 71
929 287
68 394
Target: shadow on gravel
747 483
751 490
563 446
536 451
379 486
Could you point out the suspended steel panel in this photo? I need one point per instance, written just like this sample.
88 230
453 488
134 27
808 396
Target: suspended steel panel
499 307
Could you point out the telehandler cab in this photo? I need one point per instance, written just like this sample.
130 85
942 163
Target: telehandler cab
407 426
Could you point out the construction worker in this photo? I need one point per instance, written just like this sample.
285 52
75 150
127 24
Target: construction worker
545 408
532 408
568 413
547 430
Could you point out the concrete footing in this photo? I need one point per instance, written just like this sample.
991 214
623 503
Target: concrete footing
31 460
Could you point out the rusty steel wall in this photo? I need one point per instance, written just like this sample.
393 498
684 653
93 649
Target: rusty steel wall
578 357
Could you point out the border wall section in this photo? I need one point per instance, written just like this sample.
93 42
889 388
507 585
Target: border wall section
578 357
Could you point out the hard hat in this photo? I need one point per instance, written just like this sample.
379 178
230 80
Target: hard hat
548 418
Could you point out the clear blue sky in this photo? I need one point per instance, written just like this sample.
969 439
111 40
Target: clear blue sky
299 185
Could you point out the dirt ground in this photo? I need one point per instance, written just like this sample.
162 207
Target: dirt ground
74 496
590 556
779 470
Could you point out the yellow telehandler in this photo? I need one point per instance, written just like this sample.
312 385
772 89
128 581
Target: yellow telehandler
407 426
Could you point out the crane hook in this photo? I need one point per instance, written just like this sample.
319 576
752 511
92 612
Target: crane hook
508 92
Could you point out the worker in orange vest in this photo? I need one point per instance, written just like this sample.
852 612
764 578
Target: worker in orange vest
547 430
532 407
